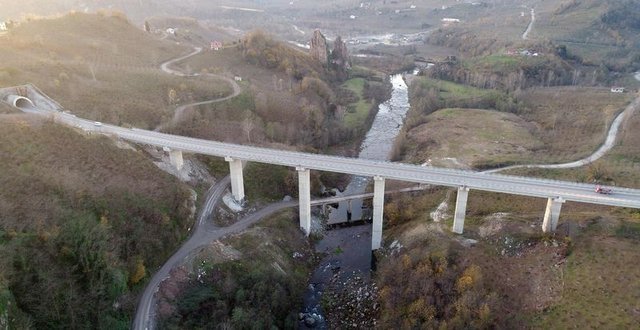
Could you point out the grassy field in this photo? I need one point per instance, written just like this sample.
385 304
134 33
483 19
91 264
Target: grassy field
601 286
619 167
549 124
464 137
500 63
357 112
572 122
448 90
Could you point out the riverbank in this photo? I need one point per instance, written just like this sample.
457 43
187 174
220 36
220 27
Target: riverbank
347 261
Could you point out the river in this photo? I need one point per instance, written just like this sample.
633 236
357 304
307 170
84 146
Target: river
348 249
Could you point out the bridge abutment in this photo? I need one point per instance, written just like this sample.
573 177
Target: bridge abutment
552 214
175 157
461 210
304 193
237 181
378 209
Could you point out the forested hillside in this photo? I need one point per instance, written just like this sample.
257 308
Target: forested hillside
81 225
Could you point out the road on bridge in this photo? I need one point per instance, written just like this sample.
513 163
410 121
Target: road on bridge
525 186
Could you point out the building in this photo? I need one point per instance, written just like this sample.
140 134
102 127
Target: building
3 26
617 89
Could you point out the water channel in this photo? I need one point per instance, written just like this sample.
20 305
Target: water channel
348 249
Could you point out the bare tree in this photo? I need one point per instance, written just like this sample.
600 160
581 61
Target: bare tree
248 124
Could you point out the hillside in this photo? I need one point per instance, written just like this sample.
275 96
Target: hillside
288 98
586 42
80 221
597 31
101 67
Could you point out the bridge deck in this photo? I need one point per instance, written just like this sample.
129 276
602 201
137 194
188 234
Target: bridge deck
525 186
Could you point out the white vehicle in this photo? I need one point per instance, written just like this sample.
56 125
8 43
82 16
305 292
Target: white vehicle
97 124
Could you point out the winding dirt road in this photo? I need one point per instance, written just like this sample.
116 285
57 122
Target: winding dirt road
177 115
525 35
608 144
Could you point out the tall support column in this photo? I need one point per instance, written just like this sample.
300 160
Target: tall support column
304 193
461 210
552 214
378 206
175 157
237 182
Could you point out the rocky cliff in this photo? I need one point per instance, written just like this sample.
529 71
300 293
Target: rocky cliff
319 48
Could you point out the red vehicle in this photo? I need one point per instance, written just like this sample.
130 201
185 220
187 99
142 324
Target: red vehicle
603 190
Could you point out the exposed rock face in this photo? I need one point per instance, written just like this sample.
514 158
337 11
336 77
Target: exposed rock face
340 59
319 48
340 54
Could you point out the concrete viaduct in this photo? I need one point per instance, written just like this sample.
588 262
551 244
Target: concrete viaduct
556 192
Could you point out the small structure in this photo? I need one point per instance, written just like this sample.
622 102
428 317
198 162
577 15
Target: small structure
216 45
450 20
3 26
617 89
237 78
352 16
171 31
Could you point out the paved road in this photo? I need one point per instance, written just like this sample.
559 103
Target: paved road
525 35
397 171
177 115
608 144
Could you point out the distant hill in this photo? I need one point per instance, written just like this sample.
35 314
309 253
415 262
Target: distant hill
595 30
572 42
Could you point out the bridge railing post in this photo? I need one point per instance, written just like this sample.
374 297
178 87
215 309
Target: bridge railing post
552 214
461 210
304 193
378 209
237 181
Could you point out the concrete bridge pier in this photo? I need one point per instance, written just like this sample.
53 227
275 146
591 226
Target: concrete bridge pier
378 206
552 214
304 193
237 181
461 210
175 157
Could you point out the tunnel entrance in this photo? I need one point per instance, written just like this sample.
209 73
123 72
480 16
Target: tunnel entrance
20 102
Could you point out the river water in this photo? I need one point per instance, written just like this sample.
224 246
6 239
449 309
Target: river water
348 249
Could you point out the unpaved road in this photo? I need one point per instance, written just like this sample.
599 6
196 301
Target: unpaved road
525 35
142 319
604 148
177 115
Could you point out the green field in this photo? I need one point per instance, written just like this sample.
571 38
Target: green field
357 112
448 90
